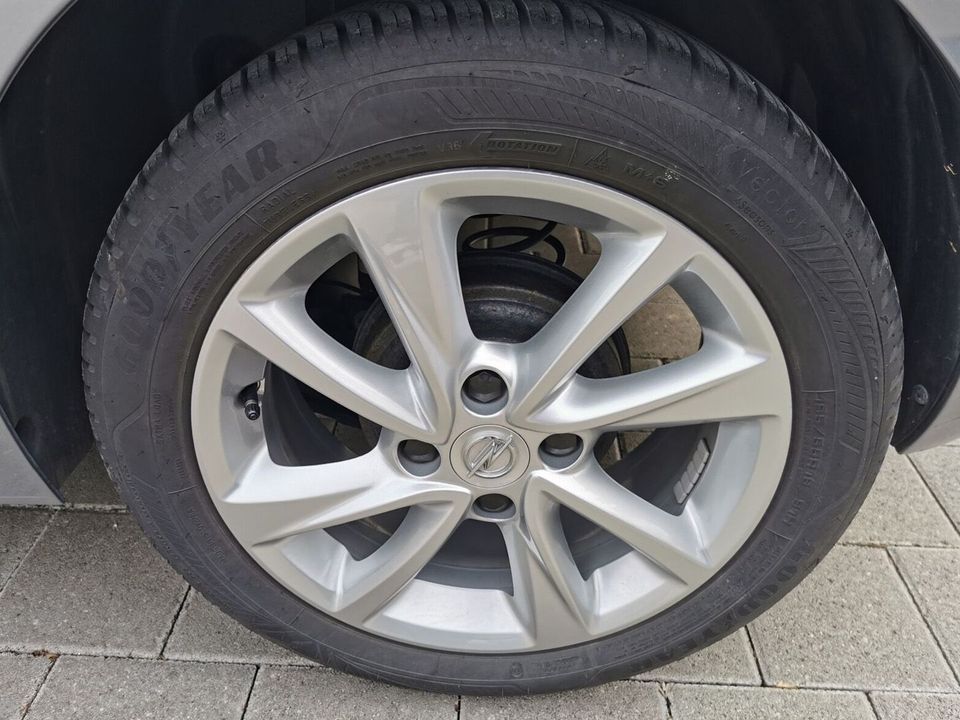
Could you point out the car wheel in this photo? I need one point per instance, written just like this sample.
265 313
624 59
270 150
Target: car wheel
361 356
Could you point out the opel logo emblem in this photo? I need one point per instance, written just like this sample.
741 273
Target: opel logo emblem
490 457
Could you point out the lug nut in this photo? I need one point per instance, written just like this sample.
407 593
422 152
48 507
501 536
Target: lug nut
484 387
561 445
417 451
494 504
561 451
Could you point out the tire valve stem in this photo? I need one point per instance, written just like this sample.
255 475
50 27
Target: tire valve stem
250 399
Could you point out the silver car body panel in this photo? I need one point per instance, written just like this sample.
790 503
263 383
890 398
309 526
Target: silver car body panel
940 21
25 22
20 483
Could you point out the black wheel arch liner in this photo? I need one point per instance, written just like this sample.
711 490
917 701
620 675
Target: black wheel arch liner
101 83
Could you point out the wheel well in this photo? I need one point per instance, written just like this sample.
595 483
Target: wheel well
82 116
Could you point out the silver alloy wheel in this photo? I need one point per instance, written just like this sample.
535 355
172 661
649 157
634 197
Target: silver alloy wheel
405 233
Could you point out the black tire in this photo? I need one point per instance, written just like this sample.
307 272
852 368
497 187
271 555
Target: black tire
591 90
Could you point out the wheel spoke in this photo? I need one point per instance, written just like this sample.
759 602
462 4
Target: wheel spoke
270 502
368 585
630 272
406 238
671 542
721 382
550 596
281 331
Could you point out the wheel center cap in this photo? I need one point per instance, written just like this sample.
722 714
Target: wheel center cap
489 456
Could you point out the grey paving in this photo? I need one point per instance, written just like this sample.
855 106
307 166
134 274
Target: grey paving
580 262
933 577
19 529
691 702
589 244
641 364
941 469
729 662
664 329
851 624
607 702
20 678
913 706
122 689
92 584
286 693
203 632
900 510
89 484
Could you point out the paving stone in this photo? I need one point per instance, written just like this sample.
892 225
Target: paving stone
916 706
590 244
663 329
901 511
642 364
692 702
579 262
284 693
669 295
850 624
93 584
203 632
611 456
20 677
89 484
121 689
607 702
18 531
932 576
941 469
728 662
630 441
